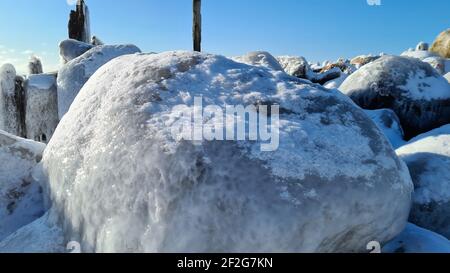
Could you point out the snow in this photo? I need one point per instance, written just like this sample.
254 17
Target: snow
419 54
447 77
318 192
388 122
417 240
20 199
42 107
37 237
76 73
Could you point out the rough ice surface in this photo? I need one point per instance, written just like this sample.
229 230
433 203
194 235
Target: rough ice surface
334 84
412 89
75 73
388 122
417 240
37 237
295 66
35 65
333 185
41 107
260 58
71 49
428 159
20 199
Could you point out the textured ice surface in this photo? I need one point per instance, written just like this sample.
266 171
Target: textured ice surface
428 159
412 89
8 109
20 199
417 240
120 181
260 58
75 73
41 107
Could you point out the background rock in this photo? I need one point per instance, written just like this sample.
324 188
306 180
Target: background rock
441 45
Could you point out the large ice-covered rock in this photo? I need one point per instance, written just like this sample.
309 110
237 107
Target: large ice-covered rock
20 198
41 107
417 240
388 122
260 58
422 46
122 180
71 49
77 72
12 104
428 159
441 45
412 89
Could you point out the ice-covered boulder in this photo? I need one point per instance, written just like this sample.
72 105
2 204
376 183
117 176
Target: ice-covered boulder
441 45
422 46
41 107
295 66
437 63
260 58
334 84
20 198
428 160
388 122
417 240
411 88
419 54
77 72
71 49
122 180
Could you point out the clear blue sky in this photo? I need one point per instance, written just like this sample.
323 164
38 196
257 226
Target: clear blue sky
316 29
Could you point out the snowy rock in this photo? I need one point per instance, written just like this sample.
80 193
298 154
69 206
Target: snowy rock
412 89
315 193
295 66
388 122
96 41
422 46
441 45
37 237
437 63
77 72
260 58
71 49
362 60
12 101
35 66
20 198
343 65
417 240
41 107
428 159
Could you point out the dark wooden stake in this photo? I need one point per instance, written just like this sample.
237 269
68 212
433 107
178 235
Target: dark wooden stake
197 27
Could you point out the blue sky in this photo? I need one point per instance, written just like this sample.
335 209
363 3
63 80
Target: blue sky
317 29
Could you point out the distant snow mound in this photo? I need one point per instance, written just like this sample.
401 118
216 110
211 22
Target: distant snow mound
20 198
260 58
428 159
71 49
388 122
412 89
122 182
417 240
77 72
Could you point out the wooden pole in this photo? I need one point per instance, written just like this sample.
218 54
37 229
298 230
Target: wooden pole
197 26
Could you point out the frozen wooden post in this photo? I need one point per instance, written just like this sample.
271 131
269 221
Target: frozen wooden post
197 27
